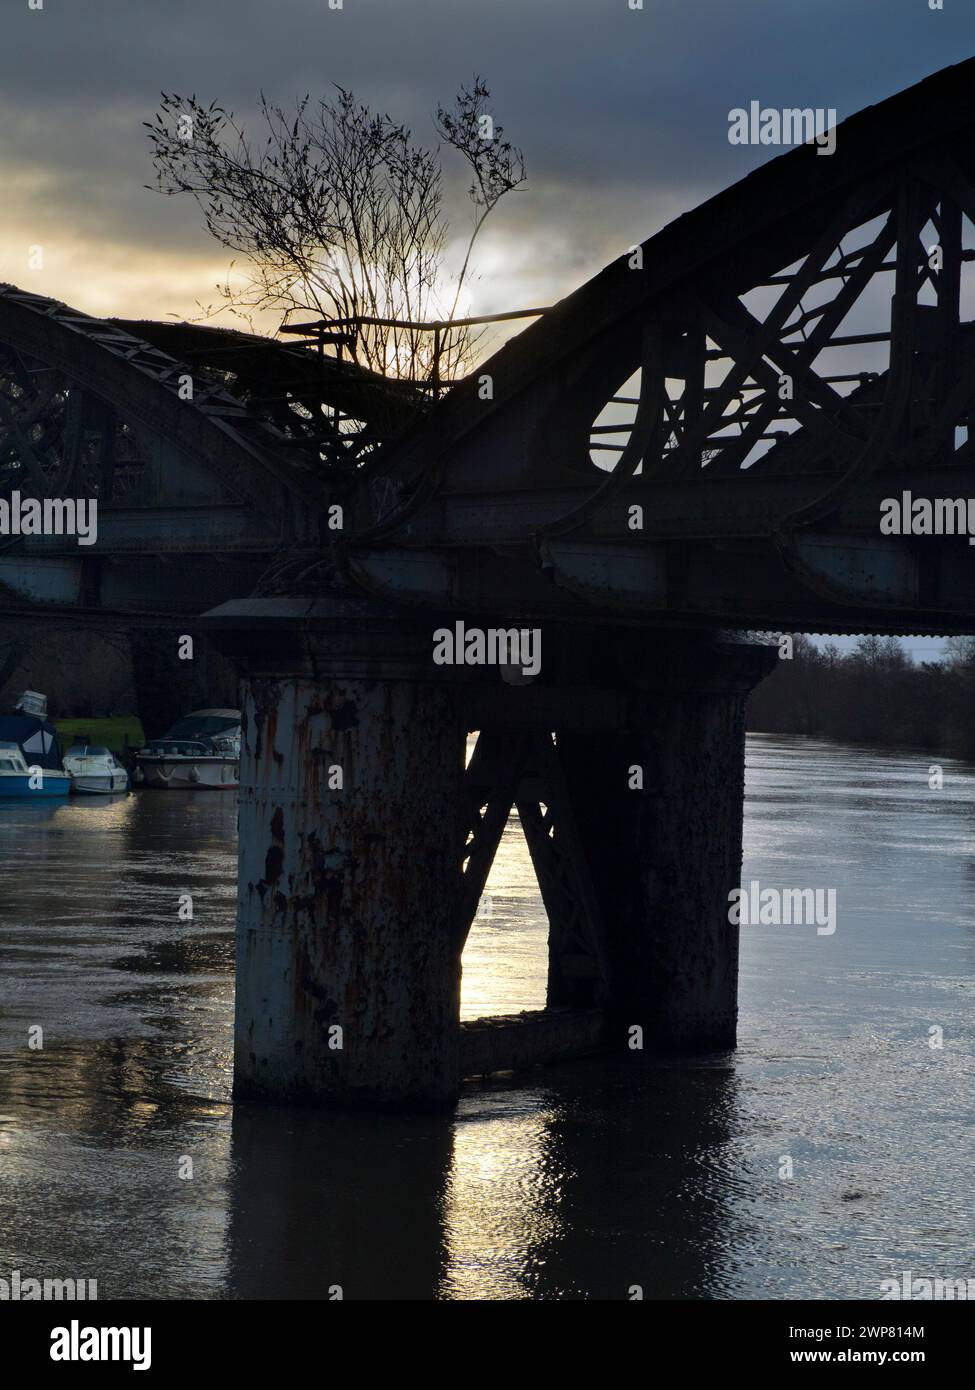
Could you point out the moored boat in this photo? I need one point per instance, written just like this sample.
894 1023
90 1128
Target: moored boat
94 771
30 760
201 752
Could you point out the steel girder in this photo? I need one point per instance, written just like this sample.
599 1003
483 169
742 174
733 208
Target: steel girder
146 388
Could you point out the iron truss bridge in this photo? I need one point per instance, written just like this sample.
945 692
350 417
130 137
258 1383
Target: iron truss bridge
702 434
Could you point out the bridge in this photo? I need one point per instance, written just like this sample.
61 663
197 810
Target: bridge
693 449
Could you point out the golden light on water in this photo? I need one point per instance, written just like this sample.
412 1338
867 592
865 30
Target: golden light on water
506 957
493 1206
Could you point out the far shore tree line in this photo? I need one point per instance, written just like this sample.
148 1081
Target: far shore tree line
873 694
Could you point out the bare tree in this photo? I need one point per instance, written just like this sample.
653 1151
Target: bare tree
960 651
336 210
498 167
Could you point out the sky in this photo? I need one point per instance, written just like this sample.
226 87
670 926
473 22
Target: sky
622 114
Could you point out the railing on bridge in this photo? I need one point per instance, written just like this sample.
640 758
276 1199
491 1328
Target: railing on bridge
329 332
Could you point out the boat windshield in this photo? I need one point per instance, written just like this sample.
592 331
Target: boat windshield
11 758
202 728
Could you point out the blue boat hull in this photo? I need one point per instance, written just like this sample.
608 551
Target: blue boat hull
18 785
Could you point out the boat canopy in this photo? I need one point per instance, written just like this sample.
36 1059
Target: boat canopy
205 724
36 738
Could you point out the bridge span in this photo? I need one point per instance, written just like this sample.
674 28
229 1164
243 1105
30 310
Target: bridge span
695 447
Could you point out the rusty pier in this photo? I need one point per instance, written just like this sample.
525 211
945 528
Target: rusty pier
365 845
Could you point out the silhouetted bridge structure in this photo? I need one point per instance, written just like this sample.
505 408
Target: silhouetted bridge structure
690 449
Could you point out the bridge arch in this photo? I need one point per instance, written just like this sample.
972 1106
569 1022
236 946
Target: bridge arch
763 280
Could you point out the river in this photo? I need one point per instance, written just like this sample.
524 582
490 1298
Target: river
830 1152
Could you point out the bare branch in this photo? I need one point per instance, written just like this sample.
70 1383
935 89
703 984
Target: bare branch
334 210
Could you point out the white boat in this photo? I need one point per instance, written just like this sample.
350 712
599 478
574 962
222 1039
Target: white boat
201 752
94 770
30 764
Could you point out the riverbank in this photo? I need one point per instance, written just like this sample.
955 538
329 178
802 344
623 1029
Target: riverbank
110 733
874 695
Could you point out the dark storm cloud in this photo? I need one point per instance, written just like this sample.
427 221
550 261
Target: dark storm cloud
622 114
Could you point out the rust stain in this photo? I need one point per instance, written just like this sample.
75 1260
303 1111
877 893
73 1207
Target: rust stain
273 865
274 859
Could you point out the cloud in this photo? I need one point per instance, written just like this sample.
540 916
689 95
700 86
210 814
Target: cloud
622 113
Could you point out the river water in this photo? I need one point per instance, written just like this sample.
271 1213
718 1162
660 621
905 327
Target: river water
581 1181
